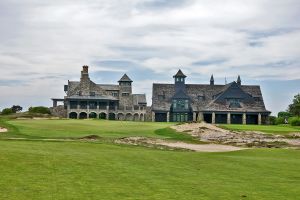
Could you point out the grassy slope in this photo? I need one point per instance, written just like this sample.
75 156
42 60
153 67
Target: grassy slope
77 170
276 129
41 129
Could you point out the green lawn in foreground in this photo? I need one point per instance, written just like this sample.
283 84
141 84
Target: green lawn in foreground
36 170
42 170
276 129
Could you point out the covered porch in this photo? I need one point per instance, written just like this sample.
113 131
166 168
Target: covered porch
232 117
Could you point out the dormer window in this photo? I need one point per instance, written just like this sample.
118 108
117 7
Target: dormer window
234 103
80 93
125 94
92 94
201 98
256 98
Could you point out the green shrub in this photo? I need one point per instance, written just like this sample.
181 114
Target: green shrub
272 120
39 109
7 111
284 114
279 120
294 121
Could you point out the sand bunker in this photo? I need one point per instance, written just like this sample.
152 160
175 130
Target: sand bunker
151 142
210 133
3 130
202 147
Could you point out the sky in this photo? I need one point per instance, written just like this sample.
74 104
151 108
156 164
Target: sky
43 44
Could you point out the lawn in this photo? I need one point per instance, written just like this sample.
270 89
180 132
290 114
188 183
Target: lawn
276 129
36 170
42 170
108 130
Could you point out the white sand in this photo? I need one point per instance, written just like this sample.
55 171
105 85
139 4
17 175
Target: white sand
3 130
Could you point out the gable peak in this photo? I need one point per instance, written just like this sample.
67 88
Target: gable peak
179 74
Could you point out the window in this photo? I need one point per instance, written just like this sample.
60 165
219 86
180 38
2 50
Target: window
125 94
93 105
83 105
234 103
80 93
115 94
93 94
201 98
73 104
180 117
180 104
161 97
125 83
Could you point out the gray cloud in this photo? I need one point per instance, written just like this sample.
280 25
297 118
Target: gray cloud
45 43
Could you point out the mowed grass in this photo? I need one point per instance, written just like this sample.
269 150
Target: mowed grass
42 170
108 130
36 170
276 129
80 128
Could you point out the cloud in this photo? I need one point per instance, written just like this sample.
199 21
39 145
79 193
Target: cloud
45 43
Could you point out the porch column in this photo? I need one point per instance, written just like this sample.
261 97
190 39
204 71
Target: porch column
228 118
153 116
97 106
68 106
107 111
244 118
259 118
168 116
200 116
78 105
213 118
194 116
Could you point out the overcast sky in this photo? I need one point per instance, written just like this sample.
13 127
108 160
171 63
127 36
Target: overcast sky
45 43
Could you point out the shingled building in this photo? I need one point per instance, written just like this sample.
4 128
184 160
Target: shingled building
230 103
86 99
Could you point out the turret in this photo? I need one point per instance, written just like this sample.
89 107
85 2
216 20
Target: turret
125 86
239 82
179 79
212 80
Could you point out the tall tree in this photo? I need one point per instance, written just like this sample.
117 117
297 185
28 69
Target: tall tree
294 108
16 108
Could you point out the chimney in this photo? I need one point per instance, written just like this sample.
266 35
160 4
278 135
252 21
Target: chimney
85 73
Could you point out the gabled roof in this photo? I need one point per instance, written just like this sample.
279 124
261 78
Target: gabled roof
209 93
179 74
232 91
139 99
180 95
125 78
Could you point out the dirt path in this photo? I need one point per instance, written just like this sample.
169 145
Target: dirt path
3 130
